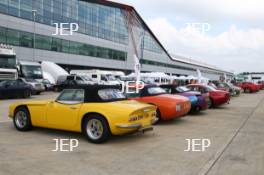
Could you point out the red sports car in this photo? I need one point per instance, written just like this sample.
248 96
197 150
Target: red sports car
248 87
217 97
168 106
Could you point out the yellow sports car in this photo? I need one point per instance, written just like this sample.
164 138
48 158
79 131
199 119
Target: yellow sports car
95 110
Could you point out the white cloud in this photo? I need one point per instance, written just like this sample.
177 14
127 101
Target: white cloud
239 50
205 10
236 41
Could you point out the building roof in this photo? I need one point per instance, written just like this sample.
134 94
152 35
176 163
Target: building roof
197 63
172 58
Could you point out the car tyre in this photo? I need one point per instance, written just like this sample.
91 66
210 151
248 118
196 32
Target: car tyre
22 120
96 129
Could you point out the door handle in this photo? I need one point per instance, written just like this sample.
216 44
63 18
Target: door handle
72 107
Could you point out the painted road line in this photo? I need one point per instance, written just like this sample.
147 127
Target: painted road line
6 121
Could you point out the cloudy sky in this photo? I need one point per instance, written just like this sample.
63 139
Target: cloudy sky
225 33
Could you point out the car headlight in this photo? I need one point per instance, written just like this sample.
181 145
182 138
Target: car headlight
178 107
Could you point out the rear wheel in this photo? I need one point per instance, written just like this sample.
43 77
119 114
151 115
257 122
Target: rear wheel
22 120
96 129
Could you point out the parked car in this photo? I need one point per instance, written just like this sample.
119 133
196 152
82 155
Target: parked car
168 106
217 97
248 87
198 101
261 83
81 78
96 111
229 87
71 81
36 87
14 89
68 84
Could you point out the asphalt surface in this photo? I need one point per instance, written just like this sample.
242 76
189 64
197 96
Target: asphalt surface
235 131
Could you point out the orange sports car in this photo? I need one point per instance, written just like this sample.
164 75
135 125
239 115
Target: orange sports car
168 106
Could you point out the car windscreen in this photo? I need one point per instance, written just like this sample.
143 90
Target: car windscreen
8 61
2 83
31 71
182 89
210 88
111 94
132 93
156 91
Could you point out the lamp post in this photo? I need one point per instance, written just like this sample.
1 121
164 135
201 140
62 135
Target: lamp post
34 35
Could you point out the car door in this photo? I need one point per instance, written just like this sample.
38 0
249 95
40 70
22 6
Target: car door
63 112
10 89
4 92
19 88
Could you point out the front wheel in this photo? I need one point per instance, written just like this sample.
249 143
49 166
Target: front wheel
96 129
22 120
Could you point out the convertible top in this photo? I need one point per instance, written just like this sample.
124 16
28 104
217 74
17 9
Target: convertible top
91 92
168 85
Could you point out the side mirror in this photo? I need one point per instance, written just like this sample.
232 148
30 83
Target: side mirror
7 85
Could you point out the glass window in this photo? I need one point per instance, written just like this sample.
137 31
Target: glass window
66 95
74 47
110 94
26 39
71 95
132 93
43 42
210 88
182 89
2 35
13 7
65 46
156 90
79 95
8 61
4 6
31 71
26 9
56 45
12 37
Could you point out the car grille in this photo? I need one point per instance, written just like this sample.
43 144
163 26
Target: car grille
38 85
7 76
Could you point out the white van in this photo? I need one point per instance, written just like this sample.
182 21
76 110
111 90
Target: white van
100 76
